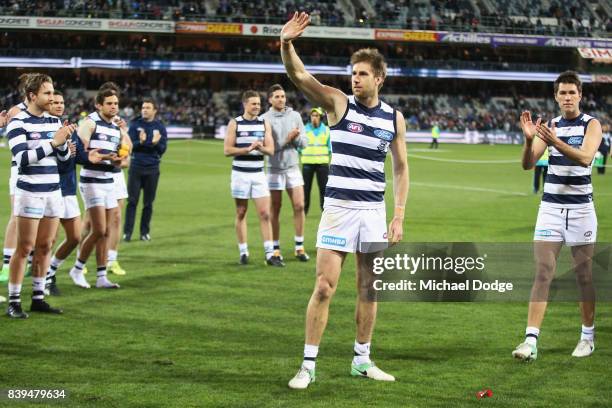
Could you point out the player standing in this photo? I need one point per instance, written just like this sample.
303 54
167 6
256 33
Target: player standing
566 214
37 141
97 183
248 139
363 128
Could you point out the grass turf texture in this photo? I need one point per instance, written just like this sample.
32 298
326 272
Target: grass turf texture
190 327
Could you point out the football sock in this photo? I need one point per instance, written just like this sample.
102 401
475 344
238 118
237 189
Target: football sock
310 356
531 335
362 353
588 333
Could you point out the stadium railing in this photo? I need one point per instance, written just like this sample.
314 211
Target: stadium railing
272 58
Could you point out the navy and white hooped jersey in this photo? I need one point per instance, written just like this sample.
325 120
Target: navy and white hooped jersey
359 145
247 132
567 184
30 138
22 106
106 137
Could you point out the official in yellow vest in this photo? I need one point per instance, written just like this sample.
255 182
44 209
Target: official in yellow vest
316 156
435 134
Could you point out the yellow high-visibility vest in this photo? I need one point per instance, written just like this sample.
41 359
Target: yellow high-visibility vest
318 150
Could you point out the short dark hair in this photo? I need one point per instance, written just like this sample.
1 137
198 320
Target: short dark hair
34 83
149 100
250 94
105 93
373 57
274 88
58 93
110 85
568 77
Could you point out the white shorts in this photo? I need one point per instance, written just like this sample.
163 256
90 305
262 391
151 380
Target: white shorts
121 192
572 226
71 208
13 180
348 229
282 181
29 205
249 185
98 195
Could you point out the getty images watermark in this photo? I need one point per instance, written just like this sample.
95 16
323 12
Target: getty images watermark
475 272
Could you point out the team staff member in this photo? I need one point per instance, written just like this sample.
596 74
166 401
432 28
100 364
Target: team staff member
283 167
315 157
149 140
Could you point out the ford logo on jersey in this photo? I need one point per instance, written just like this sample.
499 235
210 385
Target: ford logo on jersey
354 127
259 134
384 134
576 140
50 135
115 139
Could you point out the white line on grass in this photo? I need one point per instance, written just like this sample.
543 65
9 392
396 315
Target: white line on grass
418 156
468 188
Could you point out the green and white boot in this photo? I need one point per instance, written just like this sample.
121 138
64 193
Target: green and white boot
369 370
525 352
302 379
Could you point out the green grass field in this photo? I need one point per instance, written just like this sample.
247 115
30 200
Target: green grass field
190 328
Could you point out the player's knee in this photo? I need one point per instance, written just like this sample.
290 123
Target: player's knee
72 242
324 290
241 213
264 215
42 249
24 248
298 208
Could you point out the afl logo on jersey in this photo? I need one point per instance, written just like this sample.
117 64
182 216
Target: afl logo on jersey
384 134
354 127
35 136
102 137
244 134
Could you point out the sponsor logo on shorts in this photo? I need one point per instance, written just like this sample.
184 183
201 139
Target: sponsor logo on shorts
543 233
97 200
33 210
385 235
335 241
576 140
588 234
35 136
384 134
354 127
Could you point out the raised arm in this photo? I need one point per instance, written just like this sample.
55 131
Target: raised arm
401 180
582 156
534 147
331 99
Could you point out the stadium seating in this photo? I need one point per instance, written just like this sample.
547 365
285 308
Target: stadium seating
552 17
